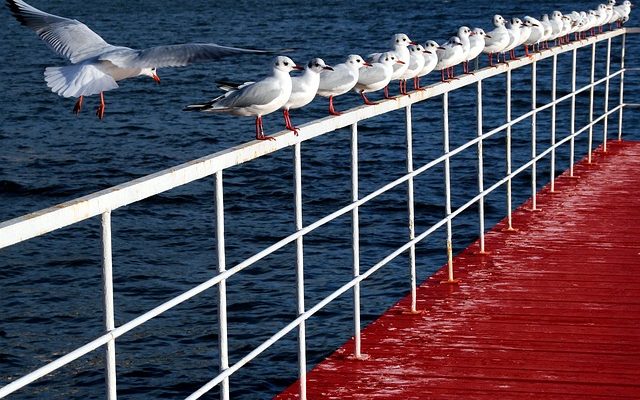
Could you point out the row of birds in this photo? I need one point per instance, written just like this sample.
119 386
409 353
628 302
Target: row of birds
96 65
405 60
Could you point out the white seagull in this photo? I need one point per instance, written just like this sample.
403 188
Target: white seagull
430 61
96 65
304 89
496 40
476 44
341 80
416 63
463 34
400 43
449 56
255 99
377 76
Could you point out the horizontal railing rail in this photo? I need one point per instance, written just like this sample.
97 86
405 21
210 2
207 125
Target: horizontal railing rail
104 202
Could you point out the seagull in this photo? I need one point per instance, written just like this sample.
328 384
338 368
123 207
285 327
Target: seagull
537 34
463 34
96 65
476 44
513 27
400 43
496 40
430 61
416 63
548 30
304 89
255 99
377 76
449 56
341 80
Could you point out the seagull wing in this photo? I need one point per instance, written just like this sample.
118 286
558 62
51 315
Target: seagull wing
177 55
255 94
70 38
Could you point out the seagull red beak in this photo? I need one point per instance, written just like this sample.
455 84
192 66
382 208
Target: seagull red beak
299 68
400 62
413 43
156 78
328 68
366 64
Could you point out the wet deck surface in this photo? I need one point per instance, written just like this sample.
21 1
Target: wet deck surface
553 312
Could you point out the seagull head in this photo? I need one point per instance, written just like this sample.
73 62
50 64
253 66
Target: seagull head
283 63
498 20
152 73
355 61
400 39
318 65
390 58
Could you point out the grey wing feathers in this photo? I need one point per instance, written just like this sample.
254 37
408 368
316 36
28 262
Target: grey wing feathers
67 37
258 93
371 75
177 55
330 80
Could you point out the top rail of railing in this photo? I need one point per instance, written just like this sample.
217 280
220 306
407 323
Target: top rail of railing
47 220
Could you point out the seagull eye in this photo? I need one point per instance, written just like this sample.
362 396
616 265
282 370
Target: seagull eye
286 63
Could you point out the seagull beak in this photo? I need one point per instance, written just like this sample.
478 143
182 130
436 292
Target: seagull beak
299 68
400 62
366 64
428 52
487 36
413 43
156 78
328 68
441 48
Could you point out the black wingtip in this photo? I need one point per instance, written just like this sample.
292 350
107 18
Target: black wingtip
18 12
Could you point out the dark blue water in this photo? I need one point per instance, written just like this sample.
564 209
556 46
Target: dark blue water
50 300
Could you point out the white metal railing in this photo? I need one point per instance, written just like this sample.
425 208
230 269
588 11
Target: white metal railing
103 202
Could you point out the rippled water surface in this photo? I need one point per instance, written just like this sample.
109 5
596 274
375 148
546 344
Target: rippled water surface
50 287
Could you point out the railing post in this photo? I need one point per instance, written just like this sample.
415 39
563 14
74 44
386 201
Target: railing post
553 121
447 182
109 314
302 347
606 97
624 42
480 167
508 152
411 210
355 229
573 113
223 345
593 77
534 137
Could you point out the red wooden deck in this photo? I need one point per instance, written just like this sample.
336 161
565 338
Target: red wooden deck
553 312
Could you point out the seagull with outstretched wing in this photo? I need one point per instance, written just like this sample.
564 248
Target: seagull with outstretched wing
96 65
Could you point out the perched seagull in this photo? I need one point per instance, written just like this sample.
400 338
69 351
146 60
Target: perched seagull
556 25
341 80
525 32
256 99
416 63
400 43
536 36
377 76
476 45
96 65
304 89
622 11
548 30
513 27
463 34
449 56
496 40
430 61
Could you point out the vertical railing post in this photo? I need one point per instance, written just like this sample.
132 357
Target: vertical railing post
480 166
447 183
411 210
606 97
573 113
593 77
553 121
624 42
355 229
302 347
508 151
109 313
534 135
223 345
